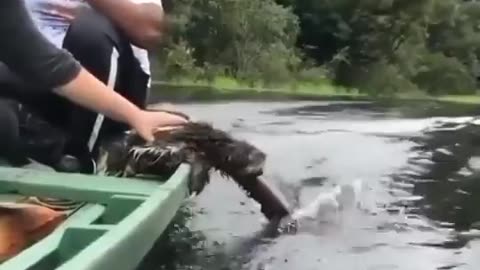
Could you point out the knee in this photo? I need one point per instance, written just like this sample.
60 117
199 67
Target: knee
92 33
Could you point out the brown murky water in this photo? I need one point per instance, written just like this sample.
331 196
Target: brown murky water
418 209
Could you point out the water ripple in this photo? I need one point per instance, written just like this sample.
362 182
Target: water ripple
418 208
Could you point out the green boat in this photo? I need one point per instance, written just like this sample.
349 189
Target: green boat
116 225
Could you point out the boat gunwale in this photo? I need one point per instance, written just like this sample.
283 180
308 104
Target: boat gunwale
123 244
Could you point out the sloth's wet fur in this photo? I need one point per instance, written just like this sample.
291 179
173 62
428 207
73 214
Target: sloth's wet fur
198 144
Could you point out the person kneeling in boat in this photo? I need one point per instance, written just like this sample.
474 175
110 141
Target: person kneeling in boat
111 39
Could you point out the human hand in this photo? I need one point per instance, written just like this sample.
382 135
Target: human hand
147 123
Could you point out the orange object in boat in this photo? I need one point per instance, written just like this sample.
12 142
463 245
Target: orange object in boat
21 224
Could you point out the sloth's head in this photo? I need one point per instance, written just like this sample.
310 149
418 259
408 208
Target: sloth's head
241 159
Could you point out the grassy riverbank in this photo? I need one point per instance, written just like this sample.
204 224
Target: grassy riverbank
226 88
224 85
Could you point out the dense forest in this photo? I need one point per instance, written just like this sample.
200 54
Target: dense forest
380 47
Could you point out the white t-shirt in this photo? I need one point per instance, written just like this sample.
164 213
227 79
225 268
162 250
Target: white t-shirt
53 18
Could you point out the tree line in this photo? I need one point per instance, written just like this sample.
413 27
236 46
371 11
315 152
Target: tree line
380 47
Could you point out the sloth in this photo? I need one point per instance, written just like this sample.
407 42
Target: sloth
205 149
199 144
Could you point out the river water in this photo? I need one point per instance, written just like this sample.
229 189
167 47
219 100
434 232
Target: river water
418 207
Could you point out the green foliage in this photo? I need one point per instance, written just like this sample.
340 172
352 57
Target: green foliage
251 40
369 41
179 62
210 72
454 31
312 74
381 47
439 74
383 79
273 66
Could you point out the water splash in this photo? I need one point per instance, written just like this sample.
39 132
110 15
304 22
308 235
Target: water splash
326 207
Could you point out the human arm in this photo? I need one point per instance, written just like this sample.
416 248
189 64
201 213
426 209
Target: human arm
27 53
87 91
143 21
